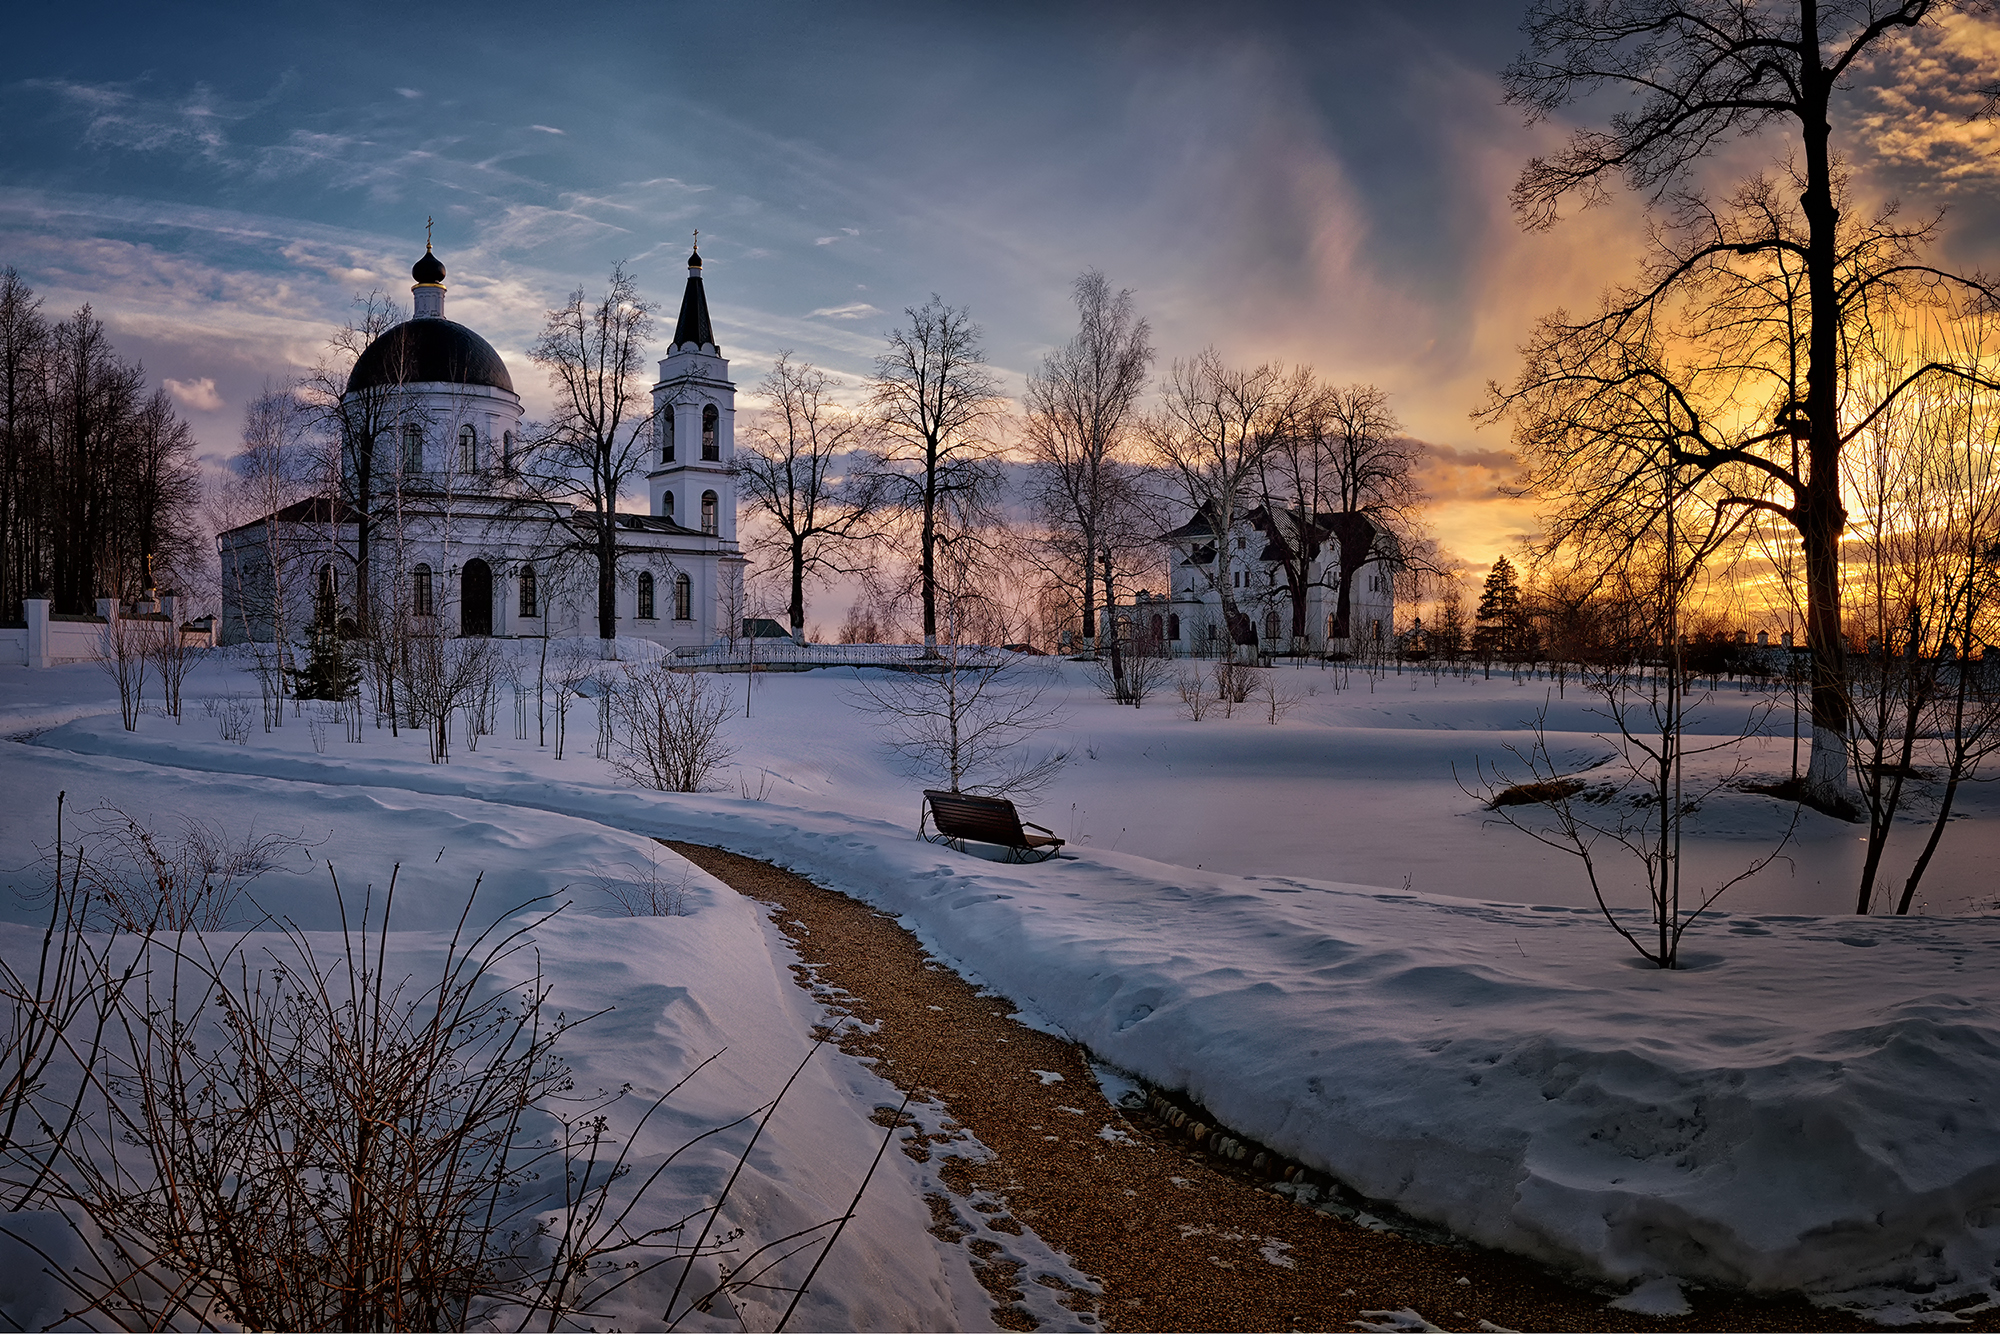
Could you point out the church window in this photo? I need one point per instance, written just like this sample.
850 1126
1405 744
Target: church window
711 448
413 448
667 504
1174 627
530 607
645 597
507 452
420 592
1271 625
667 434
708 513
683 598
468 449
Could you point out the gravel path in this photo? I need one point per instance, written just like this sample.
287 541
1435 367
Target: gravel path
1177 1238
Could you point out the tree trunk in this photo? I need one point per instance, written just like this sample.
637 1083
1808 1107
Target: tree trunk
607 577
929 558
1822 517
798 607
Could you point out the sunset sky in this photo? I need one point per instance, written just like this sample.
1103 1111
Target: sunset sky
1322 183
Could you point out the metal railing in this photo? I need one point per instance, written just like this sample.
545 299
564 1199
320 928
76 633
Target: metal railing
787 653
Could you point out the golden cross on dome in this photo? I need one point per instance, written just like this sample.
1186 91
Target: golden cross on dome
427 231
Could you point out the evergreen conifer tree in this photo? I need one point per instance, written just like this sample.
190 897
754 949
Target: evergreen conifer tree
1497 623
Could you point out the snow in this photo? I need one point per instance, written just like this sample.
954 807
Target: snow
1308 928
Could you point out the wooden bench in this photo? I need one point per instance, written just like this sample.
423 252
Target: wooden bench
959 817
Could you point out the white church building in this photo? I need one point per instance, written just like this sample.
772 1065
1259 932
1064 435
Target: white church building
456 540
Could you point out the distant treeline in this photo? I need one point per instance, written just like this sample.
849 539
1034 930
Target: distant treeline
96 475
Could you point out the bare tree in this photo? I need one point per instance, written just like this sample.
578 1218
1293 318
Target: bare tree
351 425
1080 408
934 399
1212 434
441 674
791 470
1763 296
1339 471
965 721
598 439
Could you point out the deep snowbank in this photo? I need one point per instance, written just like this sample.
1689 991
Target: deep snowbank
1816 1106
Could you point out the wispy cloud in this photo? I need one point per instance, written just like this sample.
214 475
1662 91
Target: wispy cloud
548 129
855 311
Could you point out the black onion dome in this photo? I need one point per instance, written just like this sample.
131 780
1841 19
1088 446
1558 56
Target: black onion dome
694 259
429 269
429 351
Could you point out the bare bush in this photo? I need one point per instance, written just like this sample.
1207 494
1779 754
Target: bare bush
672 720
193 879
172 658
1278 696
62 1009
121 652
1235 682
335 1150
1133 670
1192 687
232 717
645 892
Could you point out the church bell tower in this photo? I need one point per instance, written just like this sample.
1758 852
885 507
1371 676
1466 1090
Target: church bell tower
692 480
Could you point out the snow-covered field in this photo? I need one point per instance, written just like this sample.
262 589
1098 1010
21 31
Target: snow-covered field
1309 927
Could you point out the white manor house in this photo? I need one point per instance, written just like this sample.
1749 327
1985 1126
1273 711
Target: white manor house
1348 581
455 541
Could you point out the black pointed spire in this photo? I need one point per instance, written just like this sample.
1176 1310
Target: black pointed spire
693 326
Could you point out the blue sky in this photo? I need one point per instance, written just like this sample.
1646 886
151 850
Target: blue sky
1324 183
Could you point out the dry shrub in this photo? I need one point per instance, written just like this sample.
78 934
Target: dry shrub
1533 794
672 737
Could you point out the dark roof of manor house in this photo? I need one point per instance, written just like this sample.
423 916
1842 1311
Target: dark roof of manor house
429 351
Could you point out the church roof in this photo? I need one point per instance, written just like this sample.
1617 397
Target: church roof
425 351
693 326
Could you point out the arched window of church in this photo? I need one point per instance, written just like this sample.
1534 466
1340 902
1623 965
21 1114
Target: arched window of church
667 504
1271 625
667 434
530 604
420 592
413 448
683 598
468 449
507 451
711 448
1174 627
645 597
708 513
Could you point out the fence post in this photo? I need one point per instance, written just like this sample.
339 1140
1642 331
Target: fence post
38 631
